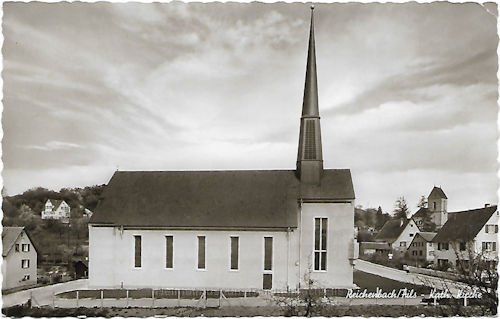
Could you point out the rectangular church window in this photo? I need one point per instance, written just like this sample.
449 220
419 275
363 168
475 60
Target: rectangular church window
234 252
201 252
137 251
268 253
320 240
169 255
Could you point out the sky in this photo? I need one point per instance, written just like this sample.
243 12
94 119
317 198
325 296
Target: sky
407 93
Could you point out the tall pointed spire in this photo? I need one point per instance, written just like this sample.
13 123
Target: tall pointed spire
310 104
310 155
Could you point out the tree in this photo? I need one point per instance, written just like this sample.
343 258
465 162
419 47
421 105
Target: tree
478 270
309 301
401 208
422 203
474 273
381 218
427 224
27 218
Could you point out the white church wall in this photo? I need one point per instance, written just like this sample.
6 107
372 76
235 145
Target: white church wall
111 259
340 236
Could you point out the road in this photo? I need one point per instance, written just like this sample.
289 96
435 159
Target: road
412 278
42 295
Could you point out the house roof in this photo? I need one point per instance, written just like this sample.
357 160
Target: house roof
437 192
464 225
391 230
55 203
9 237
422 212
427 236
374 245
214 199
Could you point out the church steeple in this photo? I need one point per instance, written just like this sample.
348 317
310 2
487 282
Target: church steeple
310 155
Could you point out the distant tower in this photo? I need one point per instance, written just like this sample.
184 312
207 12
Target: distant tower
310 155
437 203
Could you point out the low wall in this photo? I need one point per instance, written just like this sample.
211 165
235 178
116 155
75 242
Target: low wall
432 272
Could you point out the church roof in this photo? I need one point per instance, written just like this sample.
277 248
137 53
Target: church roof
464 225
437 192
214 199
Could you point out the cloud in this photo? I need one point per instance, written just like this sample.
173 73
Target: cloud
53 145
404 88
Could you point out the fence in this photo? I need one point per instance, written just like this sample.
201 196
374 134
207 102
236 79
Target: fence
159 298
206 298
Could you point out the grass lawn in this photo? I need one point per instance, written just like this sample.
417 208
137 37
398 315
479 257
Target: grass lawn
372 282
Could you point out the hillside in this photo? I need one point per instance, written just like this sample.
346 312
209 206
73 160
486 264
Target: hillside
55 242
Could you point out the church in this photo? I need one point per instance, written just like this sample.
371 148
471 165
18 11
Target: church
243 229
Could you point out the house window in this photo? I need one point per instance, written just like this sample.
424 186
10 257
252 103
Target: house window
402 244
489 246
17 247
443 246
434 205
26 277
268 253
491 229
25 263
420 253
169 252
201 252
462 246
411 235
235 242
320 239
137 251
25 247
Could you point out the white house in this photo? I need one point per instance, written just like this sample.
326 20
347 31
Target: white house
468 234
398 233
19 258
421 249
56 209
87 213
259 229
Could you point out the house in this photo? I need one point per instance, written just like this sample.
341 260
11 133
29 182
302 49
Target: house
421 249
372 248
256 229
436 211
56 209
398 233
467 235
81 269
19 267
87 213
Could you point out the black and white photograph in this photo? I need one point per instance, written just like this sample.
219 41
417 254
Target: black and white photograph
187 159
